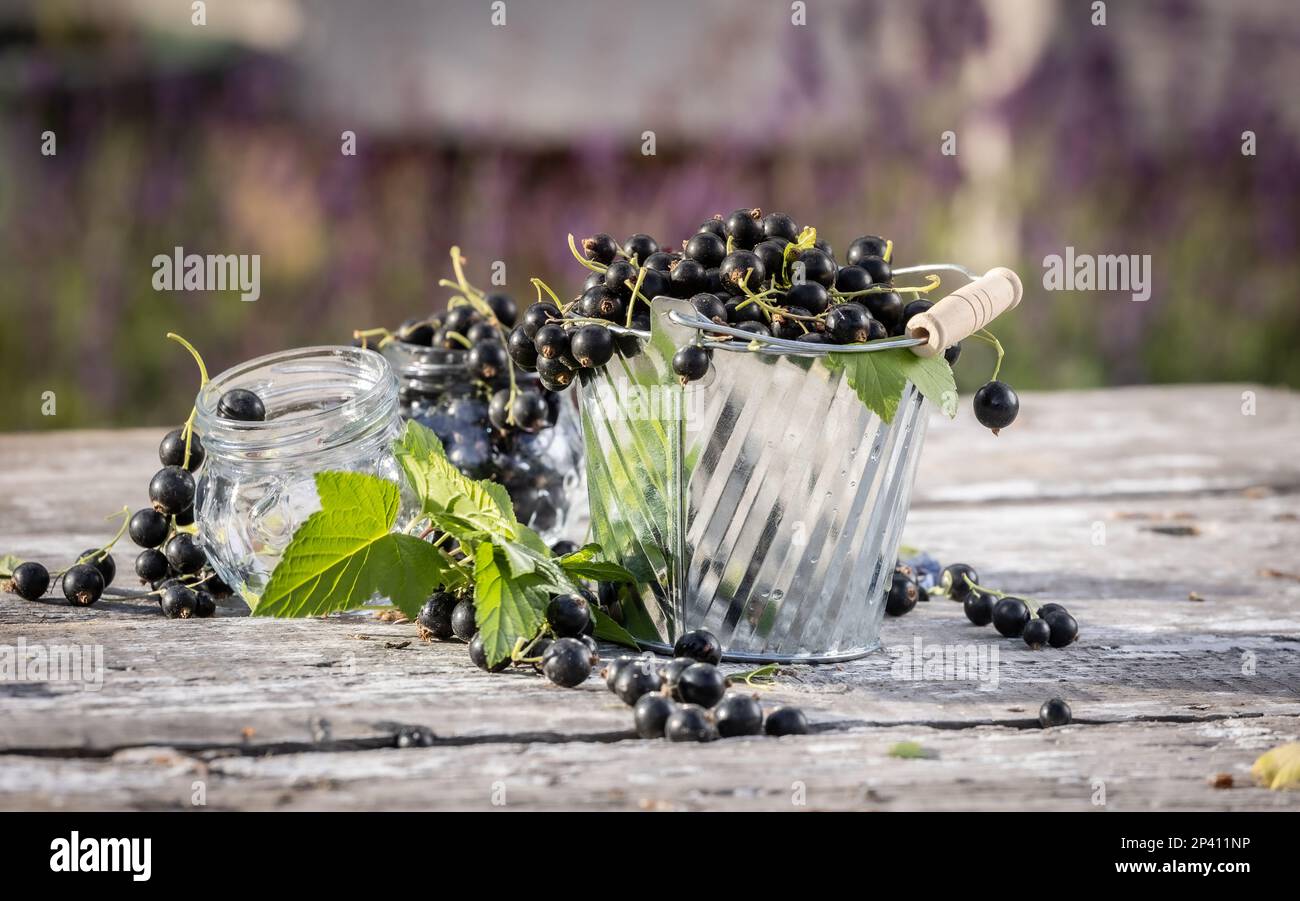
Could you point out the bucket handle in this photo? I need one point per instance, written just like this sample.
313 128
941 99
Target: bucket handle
965 311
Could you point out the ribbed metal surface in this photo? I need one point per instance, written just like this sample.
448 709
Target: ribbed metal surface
765 503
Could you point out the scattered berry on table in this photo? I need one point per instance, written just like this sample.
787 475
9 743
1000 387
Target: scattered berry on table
567 662
903 595
651 714
689 723
672 674
1036 633
463 624
738 714
1064 628
478 654
30 580
177 601
102 561
698 644
1054 712
82 585
568 615
1047 610
613 667
957 580
978 606
635 680
242 405
1010 616
205 605
702 684
786 721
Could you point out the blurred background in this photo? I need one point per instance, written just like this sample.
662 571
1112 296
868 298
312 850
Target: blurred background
225 138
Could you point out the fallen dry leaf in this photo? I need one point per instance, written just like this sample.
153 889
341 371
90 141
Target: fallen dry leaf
1279 768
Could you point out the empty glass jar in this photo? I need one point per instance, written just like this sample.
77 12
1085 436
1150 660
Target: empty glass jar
327 408
543 472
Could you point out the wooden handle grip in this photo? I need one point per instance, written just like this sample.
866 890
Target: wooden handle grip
965 311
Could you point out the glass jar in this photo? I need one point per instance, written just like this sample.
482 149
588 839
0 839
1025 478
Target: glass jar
543 472
327 408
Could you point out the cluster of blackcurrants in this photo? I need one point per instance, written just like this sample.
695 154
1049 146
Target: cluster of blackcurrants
686 698
1049 624
172 561
905 591
490 420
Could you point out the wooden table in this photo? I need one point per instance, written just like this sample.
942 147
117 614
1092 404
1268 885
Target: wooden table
1165 518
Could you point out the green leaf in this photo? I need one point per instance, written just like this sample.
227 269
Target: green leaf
346 553
609 630
506 608
8 563
585 563
910 750
880 377
451 499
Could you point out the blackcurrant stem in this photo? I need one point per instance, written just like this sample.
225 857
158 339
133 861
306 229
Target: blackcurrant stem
203 381
590 264
887 289
889 249
542 286
459 338
636 292
985 335
363 334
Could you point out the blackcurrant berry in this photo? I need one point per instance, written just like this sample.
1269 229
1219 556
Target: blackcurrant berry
592 346
593 280
487 360
698 644
661 261
1054 713
710 307
1047 610
1036 633
825 247
779 225
463 623
148 528
813 338
205 605
151 565
849 323
172 449
504 309
771 255
651 715
850 279
1064 628
653 284
903 595
568 615
567 662
978 607
531 411
741 309
601 247
537 648
522 350
701 683
744 227
105 563
30 580
755 328
1010 616
478 656
171 490
887 307
460 319
881 273
818 267
691 363
413 331
742 269
565 547
499 409
672 674
786 721
641 247
713 226
552 341
242 405
434 618
537 315
636 679
82 585
689 723
715 282
810 295
996 406
738 715
555 374
214 585
184 553
957 580
602 303
915 308
618 276
177 601
788 324
687 278
865 246
612 669
185 517
707 249
483 332
952 353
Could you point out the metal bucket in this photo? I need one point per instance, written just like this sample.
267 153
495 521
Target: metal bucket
764 503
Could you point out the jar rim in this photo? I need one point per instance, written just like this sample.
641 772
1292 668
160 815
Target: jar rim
370 366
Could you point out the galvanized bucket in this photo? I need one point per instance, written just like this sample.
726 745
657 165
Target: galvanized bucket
764 503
